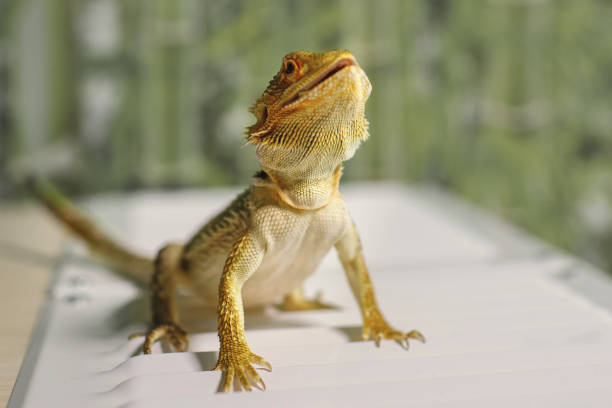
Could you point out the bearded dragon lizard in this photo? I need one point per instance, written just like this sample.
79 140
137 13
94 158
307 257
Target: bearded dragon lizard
310 119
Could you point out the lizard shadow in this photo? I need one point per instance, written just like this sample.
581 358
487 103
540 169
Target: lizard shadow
197 318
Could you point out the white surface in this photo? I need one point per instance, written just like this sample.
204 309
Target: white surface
503 324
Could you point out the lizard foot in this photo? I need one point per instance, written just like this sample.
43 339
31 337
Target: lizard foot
239 366
172 331
379 329
295 301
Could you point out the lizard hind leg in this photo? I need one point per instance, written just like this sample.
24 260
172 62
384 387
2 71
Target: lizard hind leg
295 301
165 316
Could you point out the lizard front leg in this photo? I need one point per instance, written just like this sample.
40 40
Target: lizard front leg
374 324
165 316
235 357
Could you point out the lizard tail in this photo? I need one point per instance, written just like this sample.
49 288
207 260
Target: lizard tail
129 265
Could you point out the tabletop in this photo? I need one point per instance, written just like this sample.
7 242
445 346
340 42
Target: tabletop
30 244
508 319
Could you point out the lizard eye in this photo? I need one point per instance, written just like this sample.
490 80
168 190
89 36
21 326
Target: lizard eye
289 67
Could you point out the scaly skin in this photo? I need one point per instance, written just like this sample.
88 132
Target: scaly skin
272 236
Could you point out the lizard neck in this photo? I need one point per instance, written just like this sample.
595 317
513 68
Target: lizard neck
304 192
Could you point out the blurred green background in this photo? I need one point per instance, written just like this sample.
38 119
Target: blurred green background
507 103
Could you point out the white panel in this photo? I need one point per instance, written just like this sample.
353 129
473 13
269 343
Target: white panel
503 329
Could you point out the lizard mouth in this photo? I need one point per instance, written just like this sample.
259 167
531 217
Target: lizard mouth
319 78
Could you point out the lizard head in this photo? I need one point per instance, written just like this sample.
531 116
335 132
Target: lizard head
311 116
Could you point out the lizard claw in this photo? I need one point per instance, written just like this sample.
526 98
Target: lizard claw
240 367
377 339
415 334
295 301
172 331
377 328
